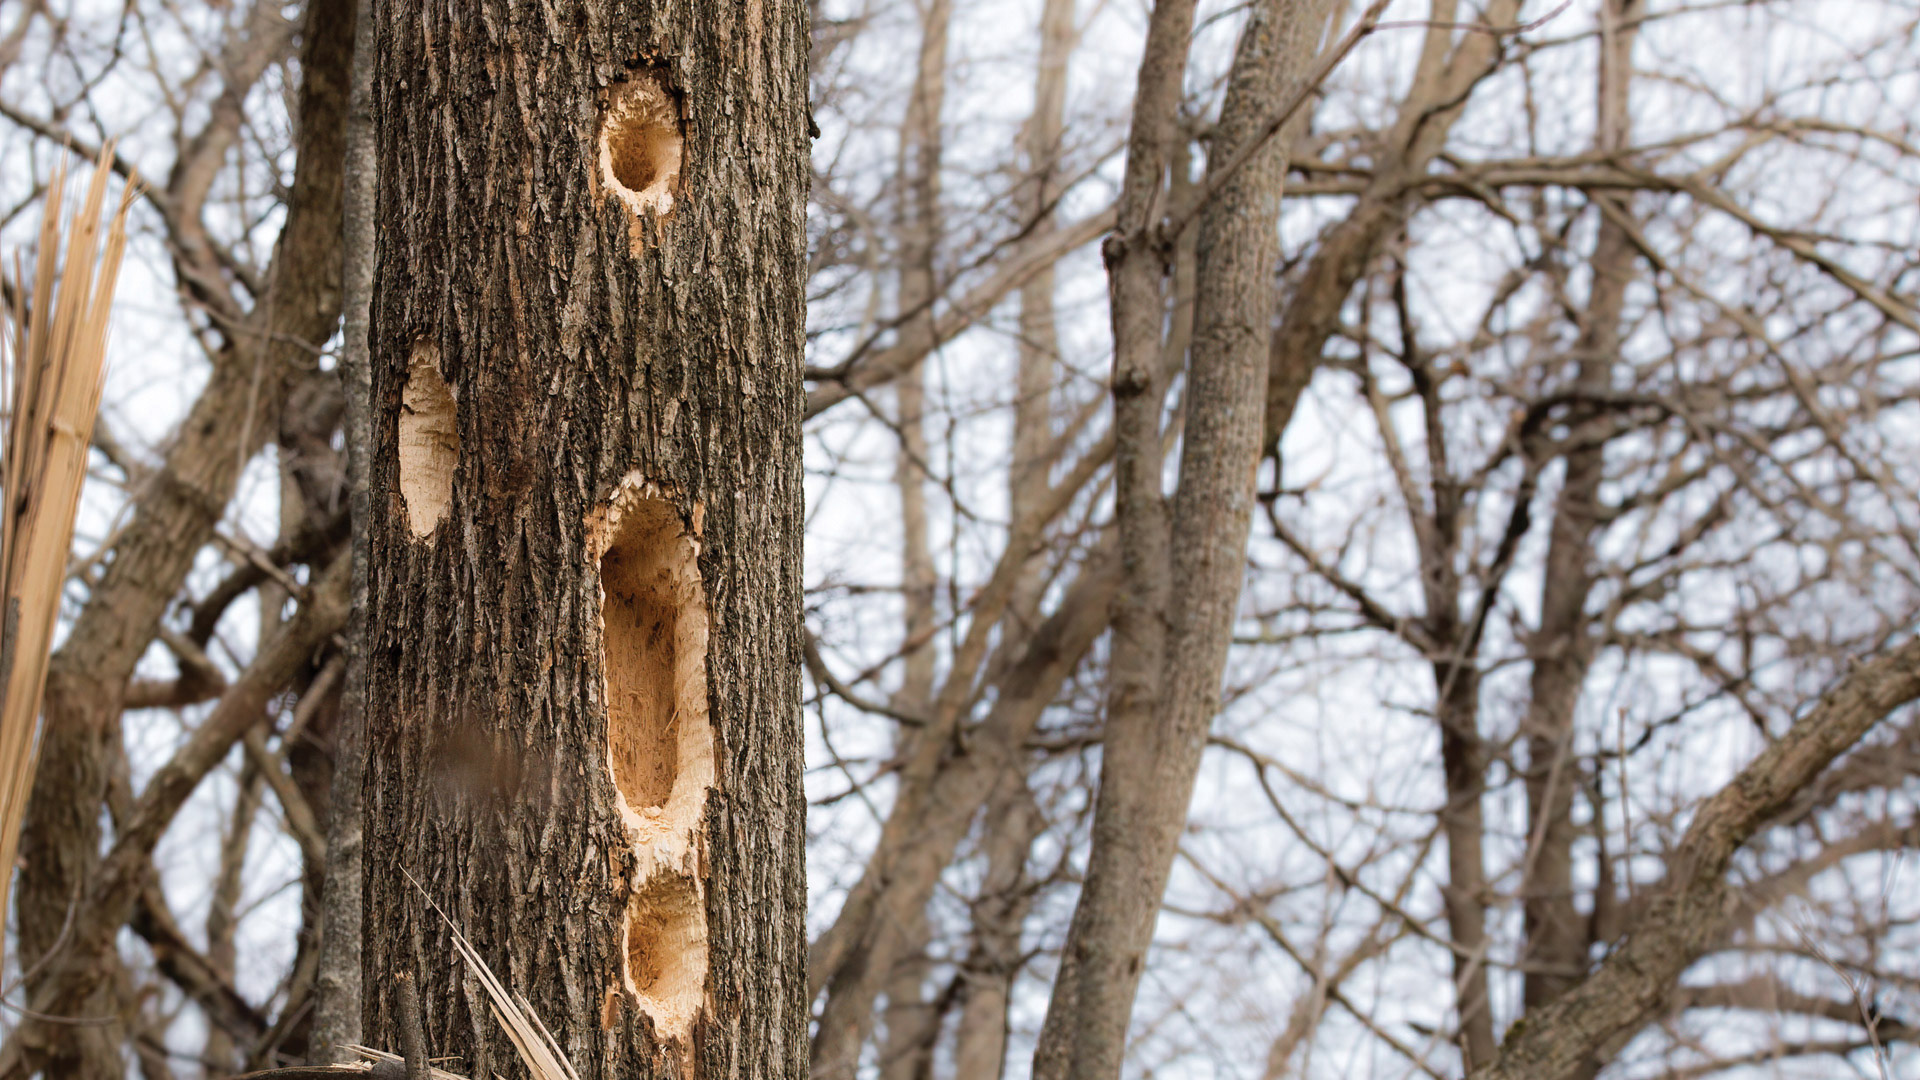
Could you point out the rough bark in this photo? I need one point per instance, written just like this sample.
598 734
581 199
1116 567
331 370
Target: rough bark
584 638
1174 617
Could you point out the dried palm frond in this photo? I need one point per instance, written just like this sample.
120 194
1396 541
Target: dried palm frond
538 1048
57 337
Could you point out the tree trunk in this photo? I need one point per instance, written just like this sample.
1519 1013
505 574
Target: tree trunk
337 998
583 732
1557 937
1463 762
911 1021
1174 619
994 957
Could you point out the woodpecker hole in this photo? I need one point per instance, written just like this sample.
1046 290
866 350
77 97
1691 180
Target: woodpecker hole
640 145
667 952
660 742
429 442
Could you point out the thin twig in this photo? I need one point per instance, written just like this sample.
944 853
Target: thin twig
413 1035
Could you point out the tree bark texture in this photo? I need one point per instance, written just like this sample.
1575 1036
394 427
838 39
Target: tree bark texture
584 644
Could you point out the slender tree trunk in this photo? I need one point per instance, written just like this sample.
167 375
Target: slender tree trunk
1174 618
919 232
584 639
1012 821
999 915
1039 347
1463 759
314 494
219 1049
911 1021
1453 638
1135 272
337 992
1557 936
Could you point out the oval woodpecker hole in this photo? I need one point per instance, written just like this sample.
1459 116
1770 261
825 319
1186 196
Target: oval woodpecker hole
667 952
660 742
429 442
654 628
640 145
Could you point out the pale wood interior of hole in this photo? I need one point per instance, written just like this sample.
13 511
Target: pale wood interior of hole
660 744
641 145
667 951
429 441
654 628
643 153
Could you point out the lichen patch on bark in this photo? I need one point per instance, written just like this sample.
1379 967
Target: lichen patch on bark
660 743
429 441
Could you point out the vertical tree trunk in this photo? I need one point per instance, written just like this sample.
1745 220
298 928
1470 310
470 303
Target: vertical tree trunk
1136 301
1557 937
337 993
219 1048
1000 912
1039 335
1463 763
912 1022
583 729
1012 820
1174 619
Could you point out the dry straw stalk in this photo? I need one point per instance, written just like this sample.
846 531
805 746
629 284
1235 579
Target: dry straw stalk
52 363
